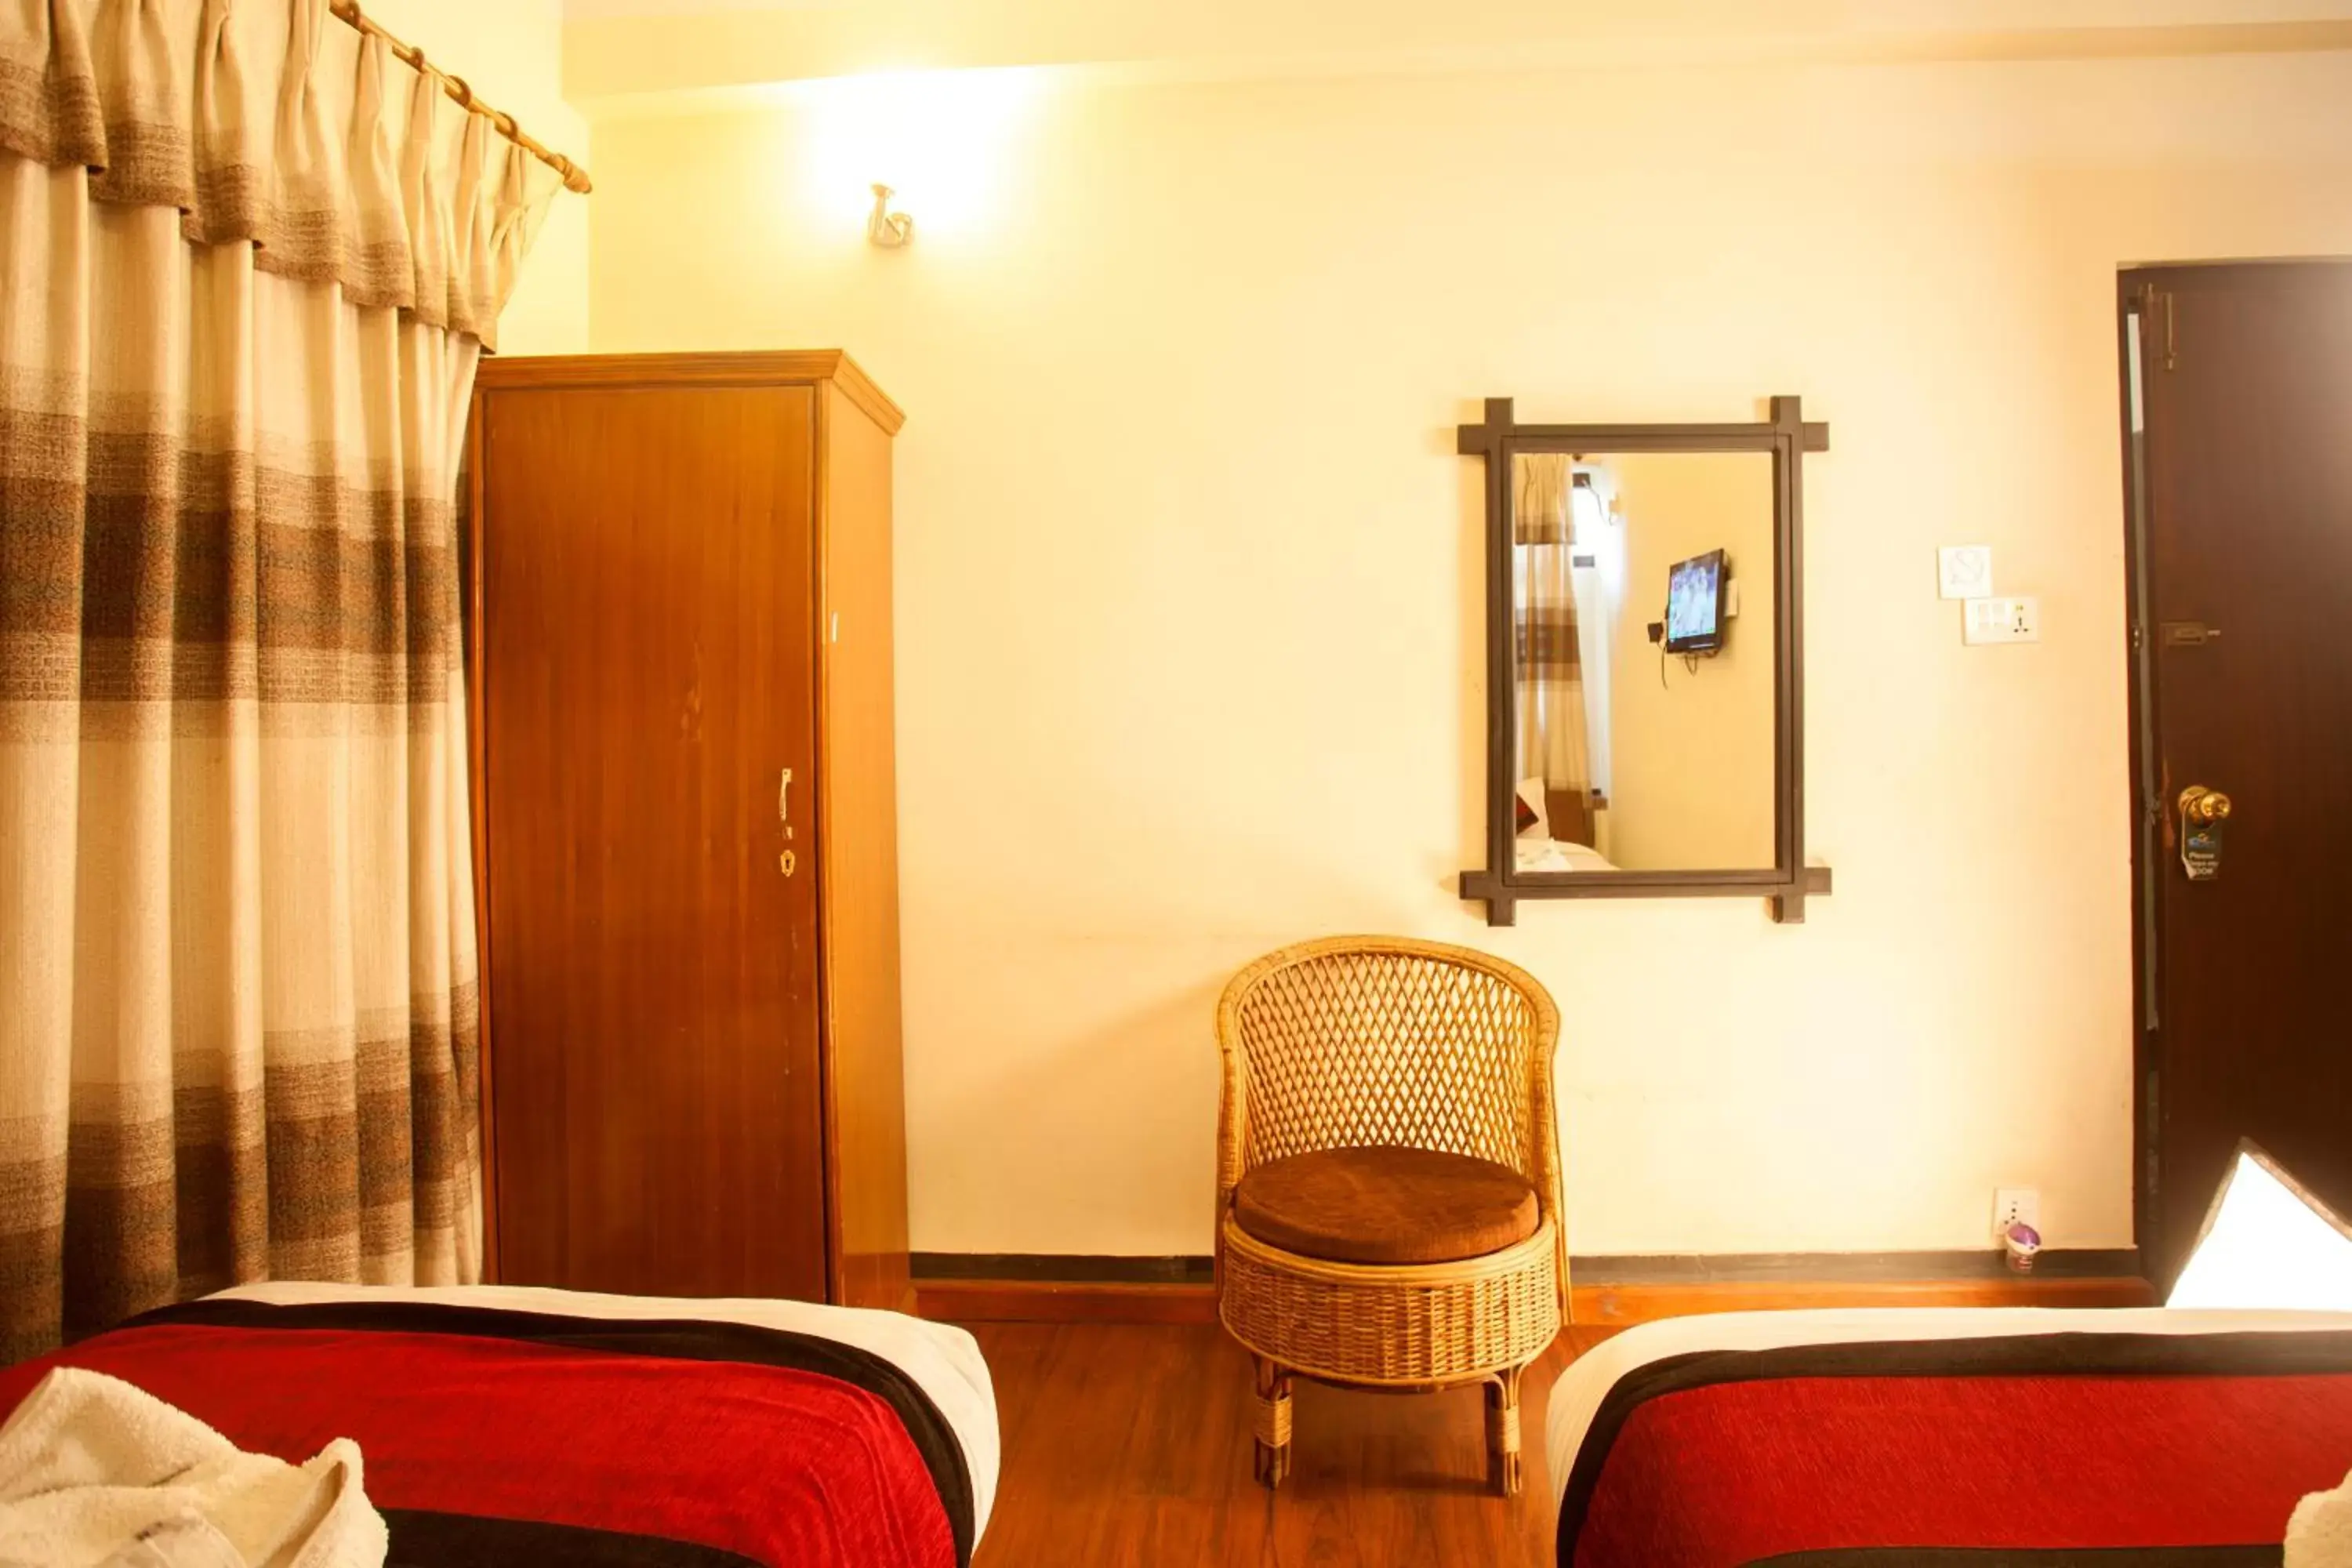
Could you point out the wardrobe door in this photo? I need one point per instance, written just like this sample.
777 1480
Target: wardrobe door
647 629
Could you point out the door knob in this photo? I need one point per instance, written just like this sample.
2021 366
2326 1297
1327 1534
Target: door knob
2202 812
2199 804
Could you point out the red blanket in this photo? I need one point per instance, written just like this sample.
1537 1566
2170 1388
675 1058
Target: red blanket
508 1438
2140 1450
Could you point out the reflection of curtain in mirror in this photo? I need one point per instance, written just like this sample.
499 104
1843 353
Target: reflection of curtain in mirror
1600 576
1551 727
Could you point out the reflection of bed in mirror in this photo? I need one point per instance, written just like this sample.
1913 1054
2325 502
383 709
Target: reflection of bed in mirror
1560 855
1559 829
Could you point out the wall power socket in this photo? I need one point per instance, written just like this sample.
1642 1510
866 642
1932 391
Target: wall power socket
2015 1206
2016 618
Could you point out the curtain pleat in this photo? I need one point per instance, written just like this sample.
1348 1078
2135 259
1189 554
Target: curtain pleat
237 913
142 91
229 178
380 272
470 271
427 213
48 89
307 232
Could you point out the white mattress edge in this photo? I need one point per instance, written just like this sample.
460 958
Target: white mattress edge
1576 1397
944 1361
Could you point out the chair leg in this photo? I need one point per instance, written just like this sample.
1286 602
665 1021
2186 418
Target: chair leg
1503 1430
1273 1421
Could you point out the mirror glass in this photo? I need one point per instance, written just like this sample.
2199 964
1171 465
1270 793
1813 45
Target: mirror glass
1643 660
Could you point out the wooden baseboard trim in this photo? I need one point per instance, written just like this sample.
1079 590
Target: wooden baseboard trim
1846 1268
1611 1293
1063 1301
1062 1268
1619 1304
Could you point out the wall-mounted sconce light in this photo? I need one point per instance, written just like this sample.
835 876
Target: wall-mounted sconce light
886 228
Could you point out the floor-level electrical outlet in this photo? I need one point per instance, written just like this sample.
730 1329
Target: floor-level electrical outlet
2015 1206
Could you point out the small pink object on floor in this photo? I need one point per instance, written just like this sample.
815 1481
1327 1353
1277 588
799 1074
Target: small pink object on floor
2018 1244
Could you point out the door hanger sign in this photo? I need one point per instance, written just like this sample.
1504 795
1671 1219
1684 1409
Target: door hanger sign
2202 812
2200 853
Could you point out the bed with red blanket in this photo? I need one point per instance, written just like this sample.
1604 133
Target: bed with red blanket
507 1426
1950 1439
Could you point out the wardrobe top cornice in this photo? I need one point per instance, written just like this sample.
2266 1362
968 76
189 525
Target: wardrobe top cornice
508 372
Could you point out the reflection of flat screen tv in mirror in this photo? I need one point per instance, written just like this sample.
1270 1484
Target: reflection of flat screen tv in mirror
1695 592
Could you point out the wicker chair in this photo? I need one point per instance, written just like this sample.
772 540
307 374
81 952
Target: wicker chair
1355 1042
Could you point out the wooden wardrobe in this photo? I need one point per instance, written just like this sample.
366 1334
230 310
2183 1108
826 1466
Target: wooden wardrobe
686 825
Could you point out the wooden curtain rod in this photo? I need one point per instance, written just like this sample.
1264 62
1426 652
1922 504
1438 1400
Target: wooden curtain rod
575 178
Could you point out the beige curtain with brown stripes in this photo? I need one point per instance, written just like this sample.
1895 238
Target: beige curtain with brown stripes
246 266
1553 740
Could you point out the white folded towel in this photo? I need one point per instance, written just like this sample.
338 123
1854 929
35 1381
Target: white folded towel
95 1473
2319 1531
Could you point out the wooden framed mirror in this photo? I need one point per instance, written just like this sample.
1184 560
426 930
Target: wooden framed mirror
1644 661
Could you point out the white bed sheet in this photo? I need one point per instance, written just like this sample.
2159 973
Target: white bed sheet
1576 1397
944 1361
1560 855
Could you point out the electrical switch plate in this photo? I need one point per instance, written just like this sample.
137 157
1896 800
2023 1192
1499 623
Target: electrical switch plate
2016 618
1965 571
2015 1206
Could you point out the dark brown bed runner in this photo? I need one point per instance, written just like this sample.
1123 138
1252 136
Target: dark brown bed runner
500 1437
2031 1557
423 1539
2118 1450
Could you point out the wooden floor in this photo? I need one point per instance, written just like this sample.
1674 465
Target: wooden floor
1129 1444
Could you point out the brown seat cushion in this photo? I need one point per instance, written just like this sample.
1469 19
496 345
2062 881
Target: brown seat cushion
1386 1206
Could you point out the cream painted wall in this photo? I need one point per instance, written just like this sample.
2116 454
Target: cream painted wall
1693 752
1188 597
630 47
512 52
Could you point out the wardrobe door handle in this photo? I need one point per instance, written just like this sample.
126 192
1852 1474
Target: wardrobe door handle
787 861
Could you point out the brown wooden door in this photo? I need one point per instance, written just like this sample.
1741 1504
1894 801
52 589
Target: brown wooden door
2246 515
648 637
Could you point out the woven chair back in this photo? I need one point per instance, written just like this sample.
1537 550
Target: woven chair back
1389 1042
